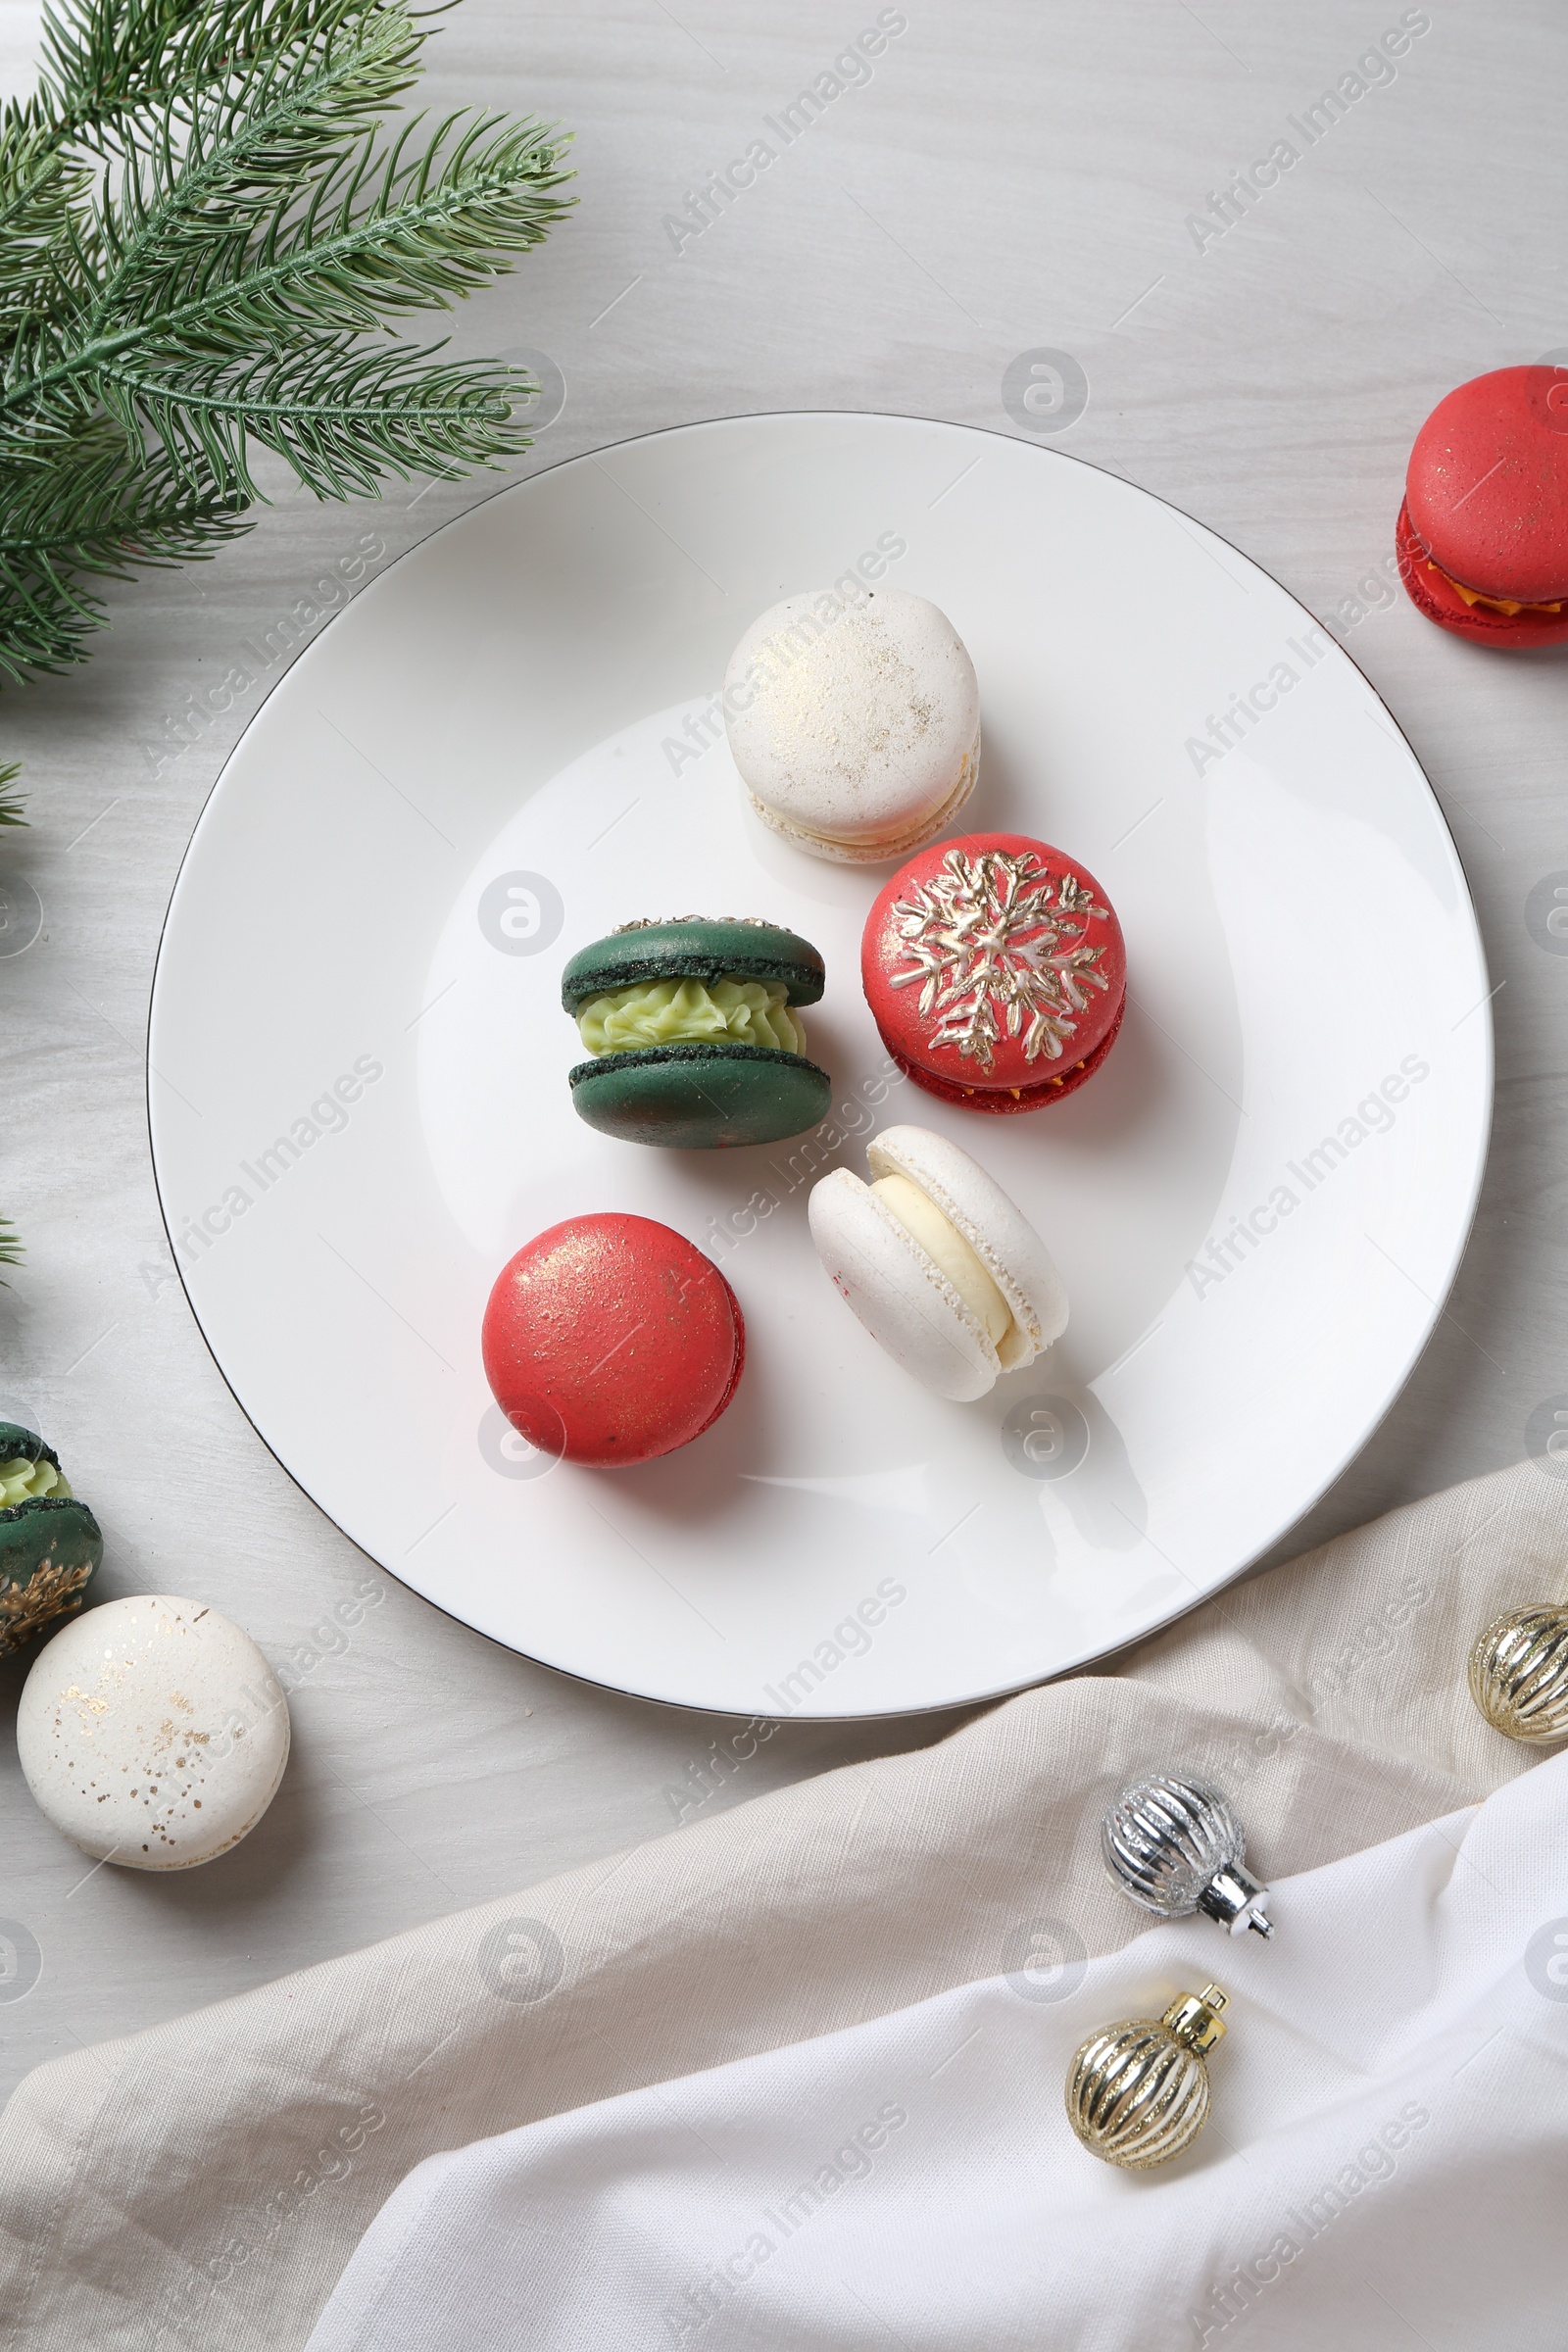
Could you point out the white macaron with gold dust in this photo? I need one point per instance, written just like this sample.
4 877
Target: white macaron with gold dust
153 1733
943 1269
855 724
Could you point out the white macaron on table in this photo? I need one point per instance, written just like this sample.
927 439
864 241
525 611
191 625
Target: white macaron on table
153 1733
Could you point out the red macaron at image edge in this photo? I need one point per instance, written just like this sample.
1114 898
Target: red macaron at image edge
1482 538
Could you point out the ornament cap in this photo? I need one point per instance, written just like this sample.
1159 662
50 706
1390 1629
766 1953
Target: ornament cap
1235 1898
1195 2019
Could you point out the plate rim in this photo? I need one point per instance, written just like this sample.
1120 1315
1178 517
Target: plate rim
1091 1658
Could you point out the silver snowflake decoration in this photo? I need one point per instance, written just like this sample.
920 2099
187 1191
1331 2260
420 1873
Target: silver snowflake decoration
997 944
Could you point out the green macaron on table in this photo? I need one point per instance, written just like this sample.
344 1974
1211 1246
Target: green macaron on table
50 1544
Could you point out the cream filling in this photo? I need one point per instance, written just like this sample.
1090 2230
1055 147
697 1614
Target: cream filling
875 849
689 1012
21 1481
947 1247
1506 605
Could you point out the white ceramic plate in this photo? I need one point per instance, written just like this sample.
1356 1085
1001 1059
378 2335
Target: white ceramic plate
505 747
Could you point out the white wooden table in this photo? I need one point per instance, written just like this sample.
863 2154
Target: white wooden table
1005 178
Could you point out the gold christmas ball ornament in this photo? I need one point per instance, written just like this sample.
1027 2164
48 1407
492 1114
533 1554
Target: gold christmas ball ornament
1138 2092
1519 1673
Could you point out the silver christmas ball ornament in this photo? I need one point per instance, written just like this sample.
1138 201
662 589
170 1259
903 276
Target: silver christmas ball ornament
1176 1847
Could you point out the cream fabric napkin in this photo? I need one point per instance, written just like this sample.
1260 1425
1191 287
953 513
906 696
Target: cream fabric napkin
210 2179
1386 2160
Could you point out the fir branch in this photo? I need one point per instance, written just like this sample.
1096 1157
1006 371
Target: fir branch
371 234
104 64
37 188
343 414
286 222
108 64
119 71
10 1250
12 804
98 514
271 221
248 227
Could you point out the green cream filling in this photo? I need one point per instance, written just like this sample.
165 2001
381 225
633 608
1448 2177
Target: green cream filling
23 1482
688 1012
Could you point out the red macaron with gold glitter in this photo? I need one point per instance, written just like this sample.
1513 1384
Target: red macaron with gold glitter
610 1339
1483 535
996 971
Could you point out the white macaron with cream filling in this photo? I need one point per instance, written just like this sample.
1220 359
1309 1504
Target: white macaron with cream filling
855 726
940 1265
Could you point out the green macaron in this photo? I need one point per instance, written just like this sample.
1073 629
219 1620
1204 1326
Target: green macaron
50 1544
693 1032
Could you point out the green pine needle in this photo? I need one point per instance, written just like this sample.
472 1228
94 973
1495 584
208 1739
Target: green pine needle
201 220
95 515
106 66
10 1250
12 804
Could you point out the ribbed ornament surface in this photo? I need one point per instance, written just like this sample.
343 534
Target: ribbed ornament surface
1135 2096
1519 1674
1164 1838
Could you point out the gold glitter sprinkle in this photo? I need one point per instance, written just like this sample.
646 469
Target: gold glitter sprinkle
52 1591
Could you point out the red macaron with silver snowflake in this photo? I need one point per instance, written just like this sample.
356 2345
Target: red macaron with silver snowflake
1483 535
996 971
610 1339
